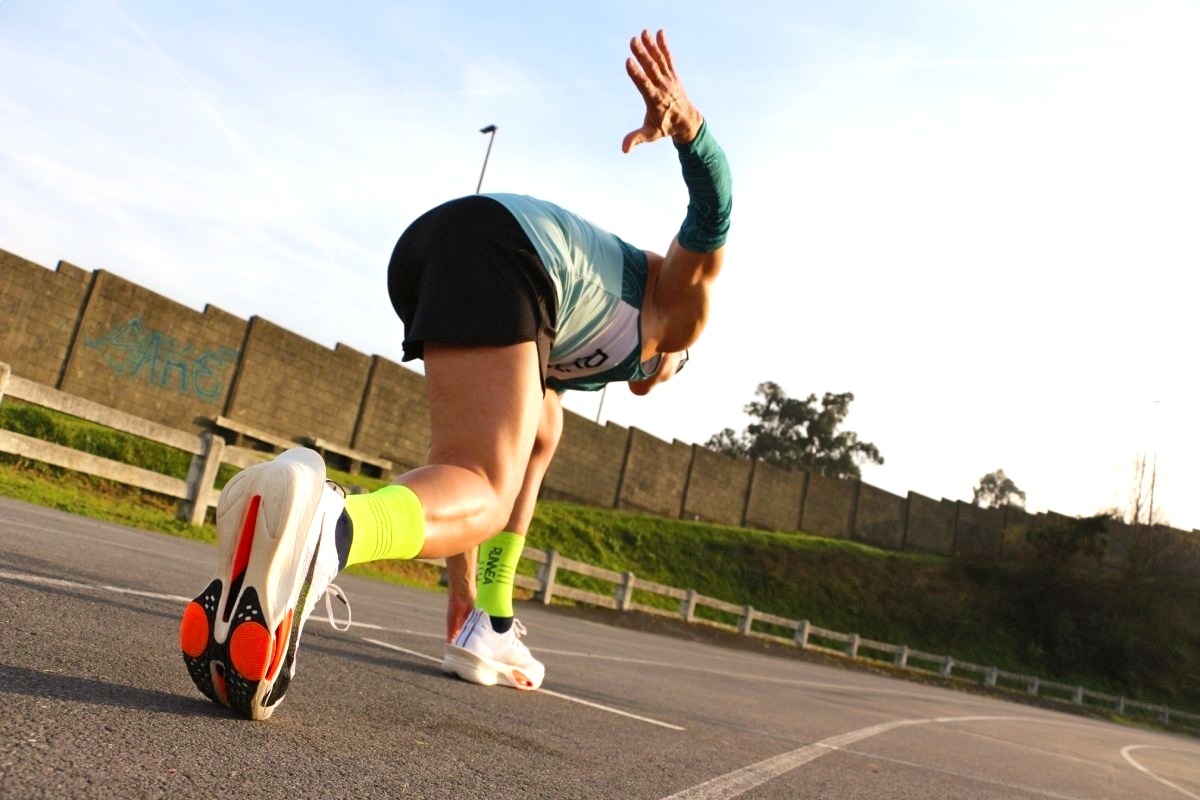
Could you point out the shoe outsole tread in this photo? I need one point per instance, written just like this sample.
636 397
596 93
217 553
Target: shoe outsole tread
230 650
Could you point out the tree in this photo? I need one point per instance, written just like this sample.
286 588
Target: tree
996 490
1141 509
789 432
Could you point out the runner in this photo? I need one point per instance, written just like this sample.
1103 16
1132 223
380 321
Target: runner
510 301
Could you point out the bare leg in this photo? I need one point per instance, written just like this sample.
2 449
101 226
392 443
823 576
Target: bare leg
484 407
460 569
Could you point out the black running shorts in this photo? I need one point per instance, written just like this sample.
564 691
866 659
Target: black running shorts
466 273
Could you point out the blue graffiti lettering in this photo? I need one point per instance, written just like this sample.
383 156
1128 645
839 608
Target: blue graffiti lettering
133 351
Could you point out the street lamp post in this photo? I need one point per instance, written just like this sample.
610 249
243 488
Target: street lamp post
492 130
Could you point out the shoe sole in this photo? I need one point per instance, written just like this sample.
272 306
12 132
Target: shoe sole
485 672
239 635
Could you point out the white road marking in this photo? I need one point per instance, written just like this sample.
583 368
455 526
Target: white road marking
108 529
740 781
1125 754
559 695
43 581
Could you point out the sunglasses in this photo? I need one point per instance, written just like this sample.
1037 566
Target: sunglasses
650 368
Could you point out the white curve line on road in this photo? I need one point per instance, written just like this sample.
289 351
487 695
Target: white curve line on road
740 781
1125 754
60 582
559 695
107 543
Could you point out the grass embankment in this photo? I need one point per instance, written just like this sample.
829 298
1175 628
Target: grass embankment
1108 632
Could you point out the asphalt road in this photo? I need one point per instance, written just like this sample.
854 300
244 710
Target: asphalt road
94 702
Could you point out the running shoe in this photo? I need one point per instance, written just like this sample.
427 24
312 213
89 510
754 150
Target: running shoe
277 555
480 655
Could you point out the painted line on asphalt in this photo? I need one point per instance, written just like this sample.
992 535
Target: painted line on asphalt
1125 751
108 529
38 579
740 781
559 695
65 584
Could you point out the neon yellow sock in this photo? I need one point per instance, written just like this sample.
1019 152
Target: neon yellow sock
387 523
498 557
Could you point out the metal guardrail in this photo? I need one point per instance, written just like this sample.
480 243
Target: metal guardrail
196 495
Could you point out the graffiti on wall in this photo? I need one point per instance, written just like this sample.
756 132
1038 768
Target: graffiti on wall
137 352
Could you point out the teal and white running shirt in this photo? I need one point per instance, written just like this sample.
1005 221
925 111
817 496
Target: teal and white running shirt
600 281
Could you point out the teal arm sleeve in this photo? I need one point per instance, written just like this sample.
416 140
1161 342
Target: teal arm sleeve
710 193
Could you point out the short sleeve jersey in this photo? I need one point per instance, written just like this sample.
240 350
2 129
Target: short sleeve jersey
600 281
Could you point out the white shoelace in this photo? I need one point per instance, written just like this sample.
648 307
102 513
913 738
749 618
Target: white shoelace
336 591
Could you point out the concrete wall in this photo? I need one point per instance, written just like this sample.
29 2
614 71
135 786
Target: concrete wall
587 466
716 490
655 475
394 420
979 531
930 525
153 357
288 385
40 309
775 497
828 507
879 519
114 342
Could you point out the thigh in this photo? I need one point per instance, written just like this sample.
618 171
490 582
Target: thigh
484 406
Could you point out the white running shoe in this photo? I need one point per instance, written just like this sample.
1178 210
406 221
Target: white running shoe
480 655
276 524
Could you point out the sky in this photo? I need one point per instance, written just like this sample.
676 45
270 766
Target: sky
977 217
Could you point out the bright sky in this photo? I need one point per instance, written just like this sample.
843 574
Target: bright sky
975 216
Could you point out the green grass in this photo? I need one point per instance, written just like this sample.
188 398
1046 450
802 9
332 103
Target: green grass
1092 630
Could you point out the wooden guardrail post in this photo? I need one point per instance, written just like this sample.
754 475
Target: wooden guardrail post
1034 683
902 657
947 667
687 606
625 592
549 571
1121 706
990 677
202 473
852 646
802 634
747 621
1165 716
5 372
1077 698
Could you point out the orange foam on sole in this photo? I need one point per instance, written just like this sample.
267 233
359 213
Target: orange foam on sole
250 650
193 631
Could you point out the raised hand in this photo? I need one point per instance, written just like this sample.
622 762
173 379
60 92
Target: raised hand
669 112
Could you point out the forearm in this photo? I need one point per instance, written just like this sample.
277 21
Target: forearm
710 193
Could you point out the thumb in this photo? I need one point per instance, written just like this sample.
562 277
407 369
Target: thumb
633 139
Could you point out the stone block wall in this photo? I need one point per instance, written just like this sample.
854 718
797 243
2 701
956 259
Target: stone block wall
879 519
290 385
587 466
930 525
829 507
978 531
655 475
40 311
104 338
716 489
150 356
394 420
775 497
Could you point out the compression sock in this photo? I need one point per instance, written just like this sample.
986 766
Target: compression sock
387 523
498 557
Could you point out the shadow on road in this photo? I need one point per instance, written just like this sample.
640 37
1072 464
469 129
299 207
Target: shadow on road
54 686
